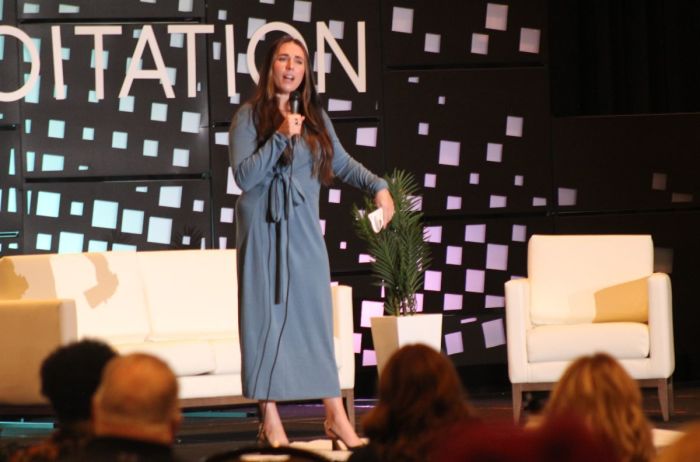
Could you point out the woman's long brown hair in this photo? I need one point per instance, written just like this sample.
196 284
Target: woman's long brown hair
420 396
267 117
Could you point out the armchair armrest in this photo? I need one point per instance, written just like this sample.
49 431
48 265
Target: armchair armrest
661 350
29 331
343 331
517 292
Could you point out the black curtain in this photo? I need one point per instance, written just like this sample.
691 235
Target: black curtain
624 56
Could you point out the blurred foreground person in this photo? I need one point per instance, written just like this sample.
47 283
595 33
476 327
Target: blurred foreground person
420 397
69 377
599 391
135 412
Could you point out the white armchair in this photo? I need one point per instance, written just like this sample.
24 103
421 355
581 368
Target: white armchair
579 298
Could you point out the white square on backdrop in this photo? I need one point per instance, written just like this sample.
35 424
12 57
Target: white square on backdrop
529 40
497 257
366 136
402 20
514 126
480 44
449 152
432 43
496 16
474 281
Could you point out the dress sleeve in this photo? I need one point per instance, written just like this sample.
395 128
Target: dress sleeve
251 164
348 169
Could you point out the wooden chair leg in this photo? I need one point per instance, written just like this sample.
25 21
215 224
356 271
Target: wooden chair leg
671 404
517 391
662 385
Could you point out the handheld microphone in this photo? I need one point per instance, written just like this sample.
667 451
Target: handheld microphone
294 102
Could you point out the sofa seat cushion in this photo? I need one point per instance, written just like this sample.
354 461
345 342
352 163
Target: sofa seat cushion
191 294
210 386
623 340
227 355
185 357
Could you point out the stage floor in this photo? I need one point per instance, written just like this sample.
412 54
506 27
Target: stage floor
209 431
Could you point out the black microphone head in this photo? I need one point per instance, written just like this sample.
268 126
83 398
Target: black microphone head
294 102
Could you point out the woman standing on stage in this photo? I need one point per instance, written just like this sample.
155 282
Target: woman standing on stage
280 158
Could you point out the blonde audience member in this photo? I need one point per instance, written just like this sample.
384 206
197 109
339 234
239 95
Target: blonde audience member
599 391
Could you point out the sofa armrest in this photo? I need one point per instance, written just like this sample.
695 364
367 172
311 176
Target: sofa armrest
29 331
661 350
343 330
517 293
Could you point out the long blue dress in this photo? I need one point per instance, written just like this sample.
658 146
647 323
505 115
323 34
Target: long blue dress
284 299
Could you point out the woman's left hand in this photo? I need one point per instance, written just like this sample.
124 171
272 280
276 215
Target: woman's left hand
384 201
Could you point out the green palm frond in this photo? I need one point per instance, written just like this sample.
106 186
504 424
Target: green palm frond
401 254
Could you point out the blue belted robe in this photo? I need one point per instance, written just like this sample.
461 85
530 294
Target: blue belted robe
284 299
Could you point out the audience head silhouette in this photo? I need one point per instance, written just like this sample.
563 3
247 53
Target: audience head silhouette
138 398
599 391
420 394
71 374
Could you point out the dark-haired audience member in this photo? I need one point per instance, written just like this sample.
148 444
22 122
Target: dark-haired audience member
135 412
598 390
69 377
420 397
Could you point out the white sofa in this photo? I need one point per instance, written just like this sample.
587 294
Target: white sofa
180 305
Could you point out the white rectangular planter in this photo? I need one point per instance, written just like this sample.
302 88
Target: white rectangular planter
389 333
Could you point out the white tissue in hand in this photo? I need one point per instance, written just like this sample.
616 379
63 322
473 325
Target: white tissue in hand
376 219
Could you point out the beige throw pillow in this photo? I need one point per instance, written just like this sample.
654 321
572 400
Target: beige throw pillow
626 302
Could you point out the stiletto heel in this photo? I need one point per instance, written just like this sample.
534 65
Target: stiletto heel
337 443
262 437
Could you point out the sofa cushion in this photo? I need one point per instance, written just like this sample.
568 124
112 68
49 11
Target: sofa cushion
184 357
108 294
209 386
565 271
178 283
628 301
227 356
622 340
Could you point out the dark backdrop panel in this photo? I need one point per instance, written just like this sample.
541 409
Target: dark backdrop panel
624 57
9 112
108 9
626 163
465 34
461 118
248 16
10 193
472 259
224 190
132 215
677 252
363 141
144 133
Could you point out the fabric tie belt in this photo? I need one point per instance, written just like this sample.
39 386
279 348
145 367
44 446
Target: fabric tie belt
283 190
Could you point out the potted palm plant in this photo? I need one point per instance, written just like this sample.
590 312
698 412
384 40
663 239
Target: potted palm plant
400 257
